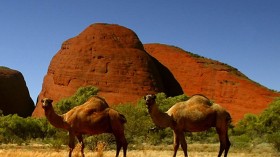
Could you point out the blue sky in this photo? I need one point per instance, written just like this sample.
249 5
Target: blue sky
242 33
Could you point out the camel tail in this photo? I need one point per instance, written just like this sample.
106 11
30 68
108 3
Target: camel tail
228 118
122 118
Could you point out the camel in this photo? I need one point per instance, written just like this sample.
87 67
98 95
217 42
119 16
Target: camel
93 117
194 115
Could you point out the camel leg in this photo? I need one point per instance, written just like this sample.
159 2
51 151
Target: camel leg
183 143
118 132
80 139
179 138
118 146
227 145
71 143
124 145
176 143
224 142
121 142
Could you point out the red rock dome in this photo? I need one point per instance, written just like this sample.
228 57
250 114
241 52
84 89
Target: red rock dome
14 94
222 83
110 57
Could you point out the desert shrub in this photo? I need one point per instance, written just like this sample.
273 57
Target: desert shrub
274 138
269 122
269 119
246 132
241 141
140 128
138 122
160 136
262 128
15 129
208 136
57 139
248 125
165 102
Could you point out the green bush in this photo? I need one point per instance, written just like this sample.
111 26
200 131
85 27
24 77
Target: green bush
269 119
15 129
262 128
208 136
139 127
165 103
274 139
57 139
138 122
248 125
241 141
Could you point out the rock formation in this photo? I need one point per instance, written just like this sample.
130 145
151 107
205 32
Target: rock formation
14 94
222 83
110 57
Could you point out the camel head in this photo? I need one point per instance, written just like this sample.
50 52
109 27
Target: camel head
46 103
150 99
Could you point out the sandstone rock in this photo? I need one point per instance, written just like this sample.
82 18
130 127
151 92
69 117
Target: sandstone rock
110 57
14 94
222 83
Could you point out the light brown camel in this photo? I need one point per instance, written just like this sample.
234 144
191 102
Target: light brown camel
194 115
93 117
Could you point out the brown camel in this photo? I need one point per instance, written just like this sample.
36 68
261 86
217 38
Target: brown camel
93 117
194 115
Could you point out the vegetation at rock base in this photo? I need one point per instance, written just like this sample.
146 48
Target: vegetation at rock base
250 131
262 128
15 129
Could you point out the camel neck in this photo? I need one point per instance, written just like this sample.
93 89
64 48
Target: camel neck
55 119
161 119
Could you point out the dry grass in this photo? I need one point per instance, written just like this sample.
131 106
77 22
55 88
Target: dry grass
195 150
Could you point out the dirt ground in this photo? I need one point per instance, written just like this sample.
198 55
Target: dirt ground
195 150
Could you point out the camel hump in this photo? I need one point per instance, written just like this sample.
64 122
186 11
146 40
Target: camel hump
96 102
100 98
199 98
